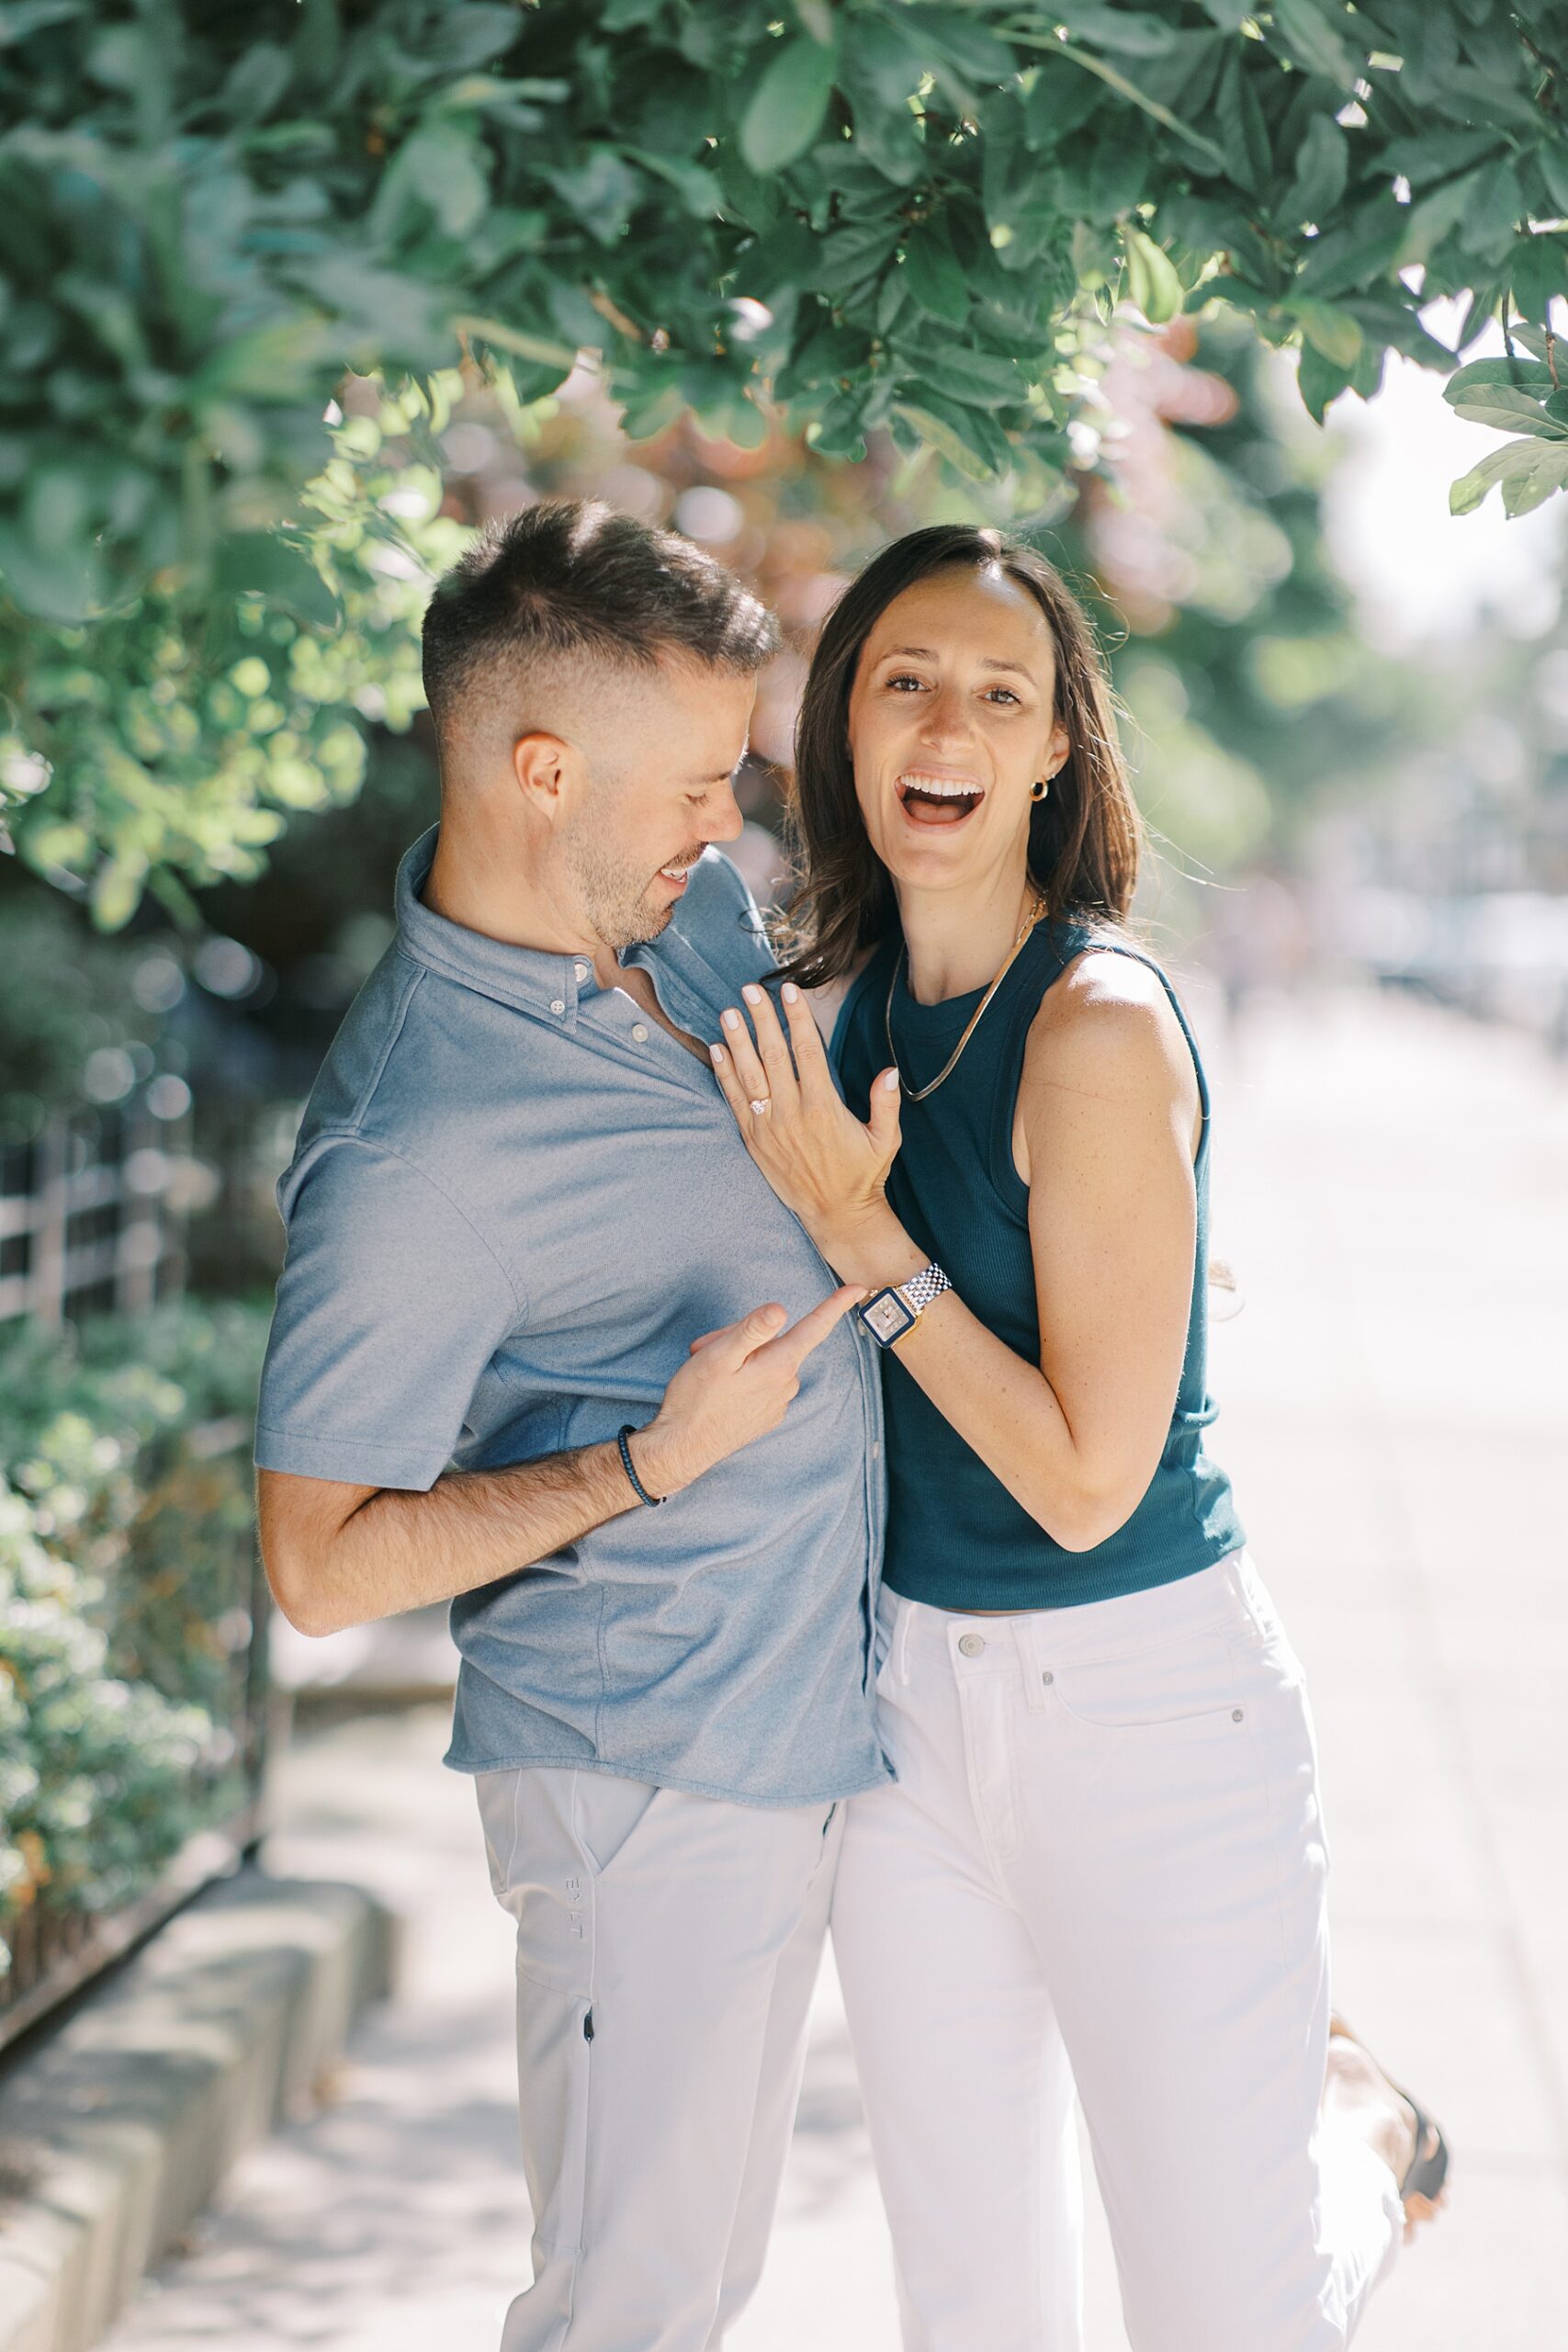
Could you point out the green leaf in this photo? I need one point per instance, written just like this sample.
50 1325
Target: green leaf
843 259
1320 381
1552 158
116 889
961 435
1528 471
935 275
1539 273
1523 375
1509 410
439 172
602 190
974 378
260 563
1116 80
1364 249
1152 282
1333 333
883 64
1534 340
1323 163
1494 203
788 105
1122 30
1311 35
969 51
1239 118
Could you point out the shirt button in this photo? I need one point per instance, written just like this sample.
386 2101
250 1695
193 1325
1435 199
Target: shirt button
558 1004
640 1032
971 1644
580 971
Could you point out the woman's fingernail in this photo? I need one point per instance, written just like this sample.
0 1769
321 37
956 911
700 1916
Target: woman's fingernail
790 992
731 1020
717 1053
891 1082
752 993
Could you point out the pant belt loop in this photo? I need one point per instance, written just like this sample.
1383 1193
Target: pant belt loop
1029 1659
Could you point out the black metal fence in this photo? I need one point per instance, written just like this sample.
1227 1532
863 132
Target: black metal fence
93 1217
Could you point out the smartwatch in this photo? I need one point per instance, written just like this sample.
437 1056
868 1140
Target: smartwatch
888 1314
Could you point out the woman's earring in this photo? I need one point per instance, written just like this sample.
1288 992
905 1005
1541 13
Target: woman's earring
1039 788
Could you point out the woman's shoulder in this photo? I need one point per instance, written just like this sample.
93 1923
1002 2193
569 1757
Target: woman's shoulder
1106 1022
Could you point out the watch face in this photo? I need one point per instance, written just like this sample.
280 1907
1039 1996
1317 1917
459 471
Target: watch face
887 1317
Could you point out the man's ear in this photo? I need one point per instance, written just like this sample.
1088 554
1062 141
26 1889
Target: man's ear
539 764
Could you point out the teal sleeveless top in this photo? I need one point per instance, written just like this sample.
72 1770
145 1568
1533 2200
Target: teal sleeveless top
956 1538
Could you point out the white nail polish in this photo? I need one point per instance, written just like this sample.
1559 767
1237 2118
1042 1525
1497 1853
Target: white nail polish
790 992
752 994
732 1021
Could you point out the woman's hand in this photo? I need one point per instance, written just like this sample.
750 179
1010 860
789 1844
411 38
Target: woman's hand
818 1158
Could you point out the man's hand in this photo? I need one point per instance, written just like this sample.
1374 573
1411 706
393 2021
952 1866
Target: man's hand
736 1385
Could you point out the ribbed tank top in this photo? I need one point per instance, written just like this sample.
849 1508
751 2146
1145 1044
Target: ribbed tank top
956 1538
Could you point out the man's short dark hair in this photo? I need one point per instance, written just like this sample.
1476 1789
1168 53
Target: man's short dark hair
570 580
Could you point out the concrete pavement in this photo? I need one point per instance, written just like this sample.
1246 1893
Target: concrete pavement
1390 1186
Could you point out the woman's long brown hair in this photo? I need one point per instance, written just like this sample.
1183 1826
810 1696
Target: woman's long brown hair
1084 837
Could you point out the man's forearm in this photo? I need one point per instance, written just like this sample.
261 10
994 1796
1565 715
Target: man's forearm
399 1551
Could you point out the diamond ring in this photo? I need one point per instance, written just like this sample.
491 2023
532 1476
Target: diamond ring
762 1104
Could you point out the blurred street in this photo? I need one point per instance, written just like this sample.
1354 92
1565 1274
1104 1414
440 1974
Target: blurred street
1390 1189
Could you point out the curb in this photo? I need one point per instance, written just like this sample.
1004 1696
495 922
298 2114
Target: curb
116 2128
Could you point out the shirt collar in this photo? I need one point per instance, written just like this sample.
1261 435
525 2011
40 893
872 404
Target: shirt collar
532 979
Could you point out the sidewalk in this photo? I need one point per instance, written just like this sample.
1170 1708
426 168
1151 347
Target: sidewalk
1391 1187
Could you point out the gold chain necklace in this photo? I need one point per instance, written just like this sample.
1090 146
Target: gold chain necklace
919 1093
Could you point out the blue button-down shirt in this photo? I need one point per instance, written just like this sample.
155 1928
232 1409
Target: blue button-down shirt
514 1201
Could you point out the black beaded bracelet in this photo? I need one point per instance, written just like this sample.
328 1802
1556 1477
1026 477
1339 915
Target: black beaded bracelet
652 1501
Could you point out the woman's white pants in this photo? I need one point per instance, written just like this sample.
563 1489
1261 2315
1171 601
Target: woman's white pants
1103 1865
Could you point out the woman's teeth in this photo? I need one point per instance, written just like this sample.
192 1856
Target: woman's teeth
937 799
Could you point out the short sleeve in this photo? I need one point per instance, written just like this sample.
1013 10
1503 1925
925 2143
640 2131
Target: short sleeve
389 1308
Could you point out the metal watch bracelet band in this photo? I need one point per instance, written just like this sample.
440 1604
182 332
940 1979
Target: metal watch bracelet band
921 1288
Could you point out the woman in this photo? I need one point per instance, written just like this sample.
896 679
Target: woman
1103 1861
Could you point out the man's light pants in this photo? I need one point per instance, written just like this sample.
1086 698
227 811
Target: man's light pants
1103 1864
667 1947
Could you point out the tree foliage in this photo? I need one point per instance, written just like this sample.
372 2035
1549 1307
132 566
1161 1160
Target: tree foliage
900 216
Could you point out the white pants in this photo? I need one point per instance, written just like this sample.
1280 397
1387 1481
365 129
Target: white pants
667 1947
1103 1864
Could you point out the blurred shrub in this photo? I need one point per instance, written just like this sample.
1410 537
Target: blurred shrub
68 994
124 1594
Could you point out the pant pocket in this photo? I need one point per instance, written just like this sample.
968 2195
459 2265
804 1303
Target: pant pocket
1185 1690
606 1813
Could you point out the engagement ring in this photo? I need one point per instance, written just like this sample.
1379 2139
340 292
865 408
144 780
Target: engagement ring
759 1107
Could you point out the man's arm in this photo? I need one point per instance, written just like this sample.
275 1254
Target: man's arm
338 1554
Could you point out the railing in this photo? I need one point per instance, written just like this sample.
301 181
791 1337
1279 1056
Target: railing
57 1947
92 1221
92 1212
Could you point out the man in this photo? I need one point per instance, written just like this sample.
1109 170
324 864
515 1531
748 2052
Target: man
520 1359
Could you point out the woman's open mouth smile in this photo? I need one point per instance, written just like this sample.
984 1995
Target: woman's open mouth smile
931 799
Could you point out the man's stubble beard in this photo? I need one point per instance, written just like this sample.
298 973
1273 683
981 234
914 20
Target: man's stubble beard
615 893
